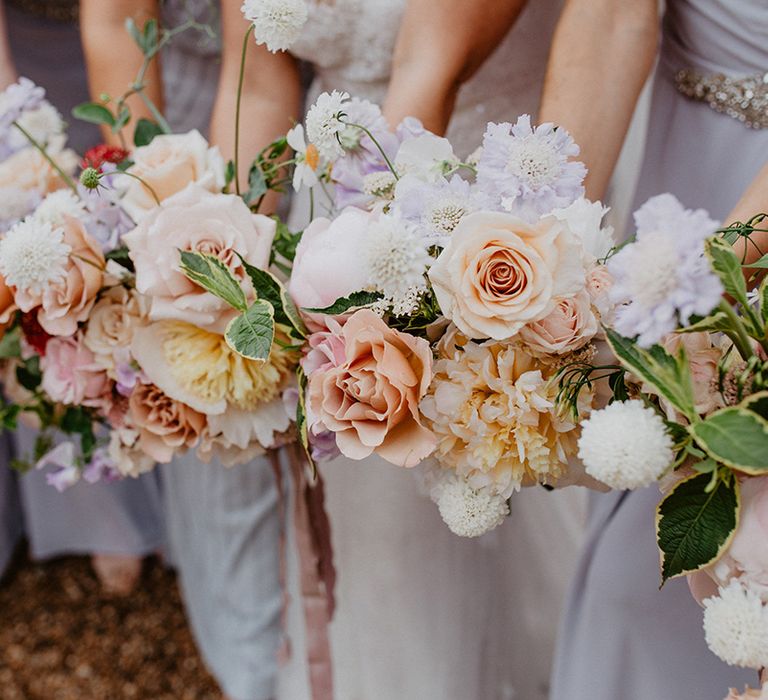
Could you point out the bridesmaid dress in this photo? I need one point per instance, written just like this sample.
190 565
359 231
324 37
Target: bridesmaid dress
622 637
119 518
422 613
223 523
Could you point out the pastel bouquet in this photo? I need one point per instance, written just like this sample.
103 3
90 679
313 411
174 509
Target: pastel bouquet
693 343
443 298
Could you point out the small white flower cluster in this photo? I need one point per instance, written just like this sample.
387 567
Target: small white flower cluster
276 23
736 626
625 445
467 511
324 126
57 206
33 256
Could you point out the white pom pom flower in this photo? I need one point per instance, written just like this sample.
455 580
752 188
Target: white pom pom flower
276 23
57 206
736 626
33 256
625 445
469 512
324 126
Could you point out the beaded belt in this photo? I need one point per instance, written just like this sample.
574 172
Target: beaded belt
745 99
56 10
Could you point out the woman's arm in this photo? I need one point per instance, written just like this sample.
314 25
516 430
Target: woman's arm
601 56
754 201
113 58
271 97
441 44
7 69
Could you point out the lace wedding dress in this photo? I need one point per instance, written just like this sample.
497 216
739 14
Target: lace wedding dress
423 614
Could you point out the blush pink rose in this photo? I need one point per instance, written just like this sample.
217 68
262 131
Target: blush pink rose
165 426
326 349
331 259
71 375
568 327
599 283
371 400
196 220
703 358
499 273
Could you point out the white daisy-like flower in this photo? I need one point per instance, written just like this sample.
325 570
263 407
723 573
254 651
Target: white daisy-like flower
736 626
276 23
625 445
397 258
33 256
58 205
307 159
468 511
324 126
380 184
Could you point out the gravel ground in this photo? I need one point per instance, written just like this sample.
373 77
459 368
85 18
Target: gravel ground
62 639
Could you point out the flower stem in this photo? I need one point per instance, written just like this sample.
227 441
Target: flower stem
142 181
367 132
237 106
737 333
67 179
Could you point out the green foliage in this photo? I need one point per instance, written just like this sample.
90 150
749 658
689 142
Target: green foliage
285 242
735 436
214 276
145 131
301 419
94 113
727 265
229 174
695 523
252 333
257 186
355 300
10 344
28 373
716 322
145 38
757 403
122 257
78 420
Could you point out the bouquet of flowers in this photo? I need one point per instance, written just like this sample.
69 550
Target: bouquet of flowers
441 299
693 341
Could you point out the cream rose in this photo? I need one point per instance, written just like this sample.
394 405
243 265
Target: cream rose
165 426
197 220
27 170
371 400
568 327
168 164
499 273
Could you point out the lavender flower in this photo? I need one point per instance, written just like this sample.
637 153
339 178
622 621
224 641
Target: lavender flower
65 473
527 170
663 278
323 446
105 220
16 99
100 468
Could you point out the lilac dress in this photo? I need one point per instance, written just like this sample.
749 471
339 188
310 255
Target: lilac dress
121 518
622 637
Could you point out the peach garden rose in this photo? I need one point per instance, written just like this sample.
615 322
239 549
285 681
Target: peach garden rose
499 273
568 327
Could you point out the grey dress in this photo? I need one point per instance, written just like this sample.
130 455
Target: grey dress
621 636
120 518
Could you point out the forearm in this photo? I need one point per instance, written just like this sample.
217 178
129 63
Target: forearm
112 57
601 56
441 44
754 201
7 69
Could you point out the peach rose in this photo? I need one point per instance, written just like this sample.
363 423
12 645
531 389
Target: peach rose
70 373
568 327
195 219
65 303
499 273
599 283
371 400
126 454
164 425
168 164
28 171
7 306
703 358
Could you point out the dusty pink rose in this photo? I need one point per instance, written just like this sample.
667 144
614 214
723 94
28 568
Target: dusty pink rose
326 349
599 283
196 220
165 426
64 304
703 358
70 373
371 400
499 273
331 259
568 327
168 164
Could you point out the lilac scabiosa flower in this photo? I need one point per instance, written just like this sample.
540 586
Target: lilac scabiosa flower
104 219
436 208
323 446
101 468
527 170
65 473
662 278
16 99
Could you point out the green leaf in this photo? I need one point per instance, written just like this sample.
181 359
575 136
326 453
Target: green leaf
10 344
214 276
122 257
79 421
123 117
669 375
736 437
9 415
133 30
763 295
252 333
285 242
257 185
727 265
93 113
695 526
149 38
229 173
714 323
301 419
762 263
28 373
757 403
355 300
145 131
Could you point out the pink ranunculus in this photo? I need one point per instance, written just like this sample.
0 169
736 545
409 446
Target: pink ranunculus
196 220
331 259
70 373
371 400
568 327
